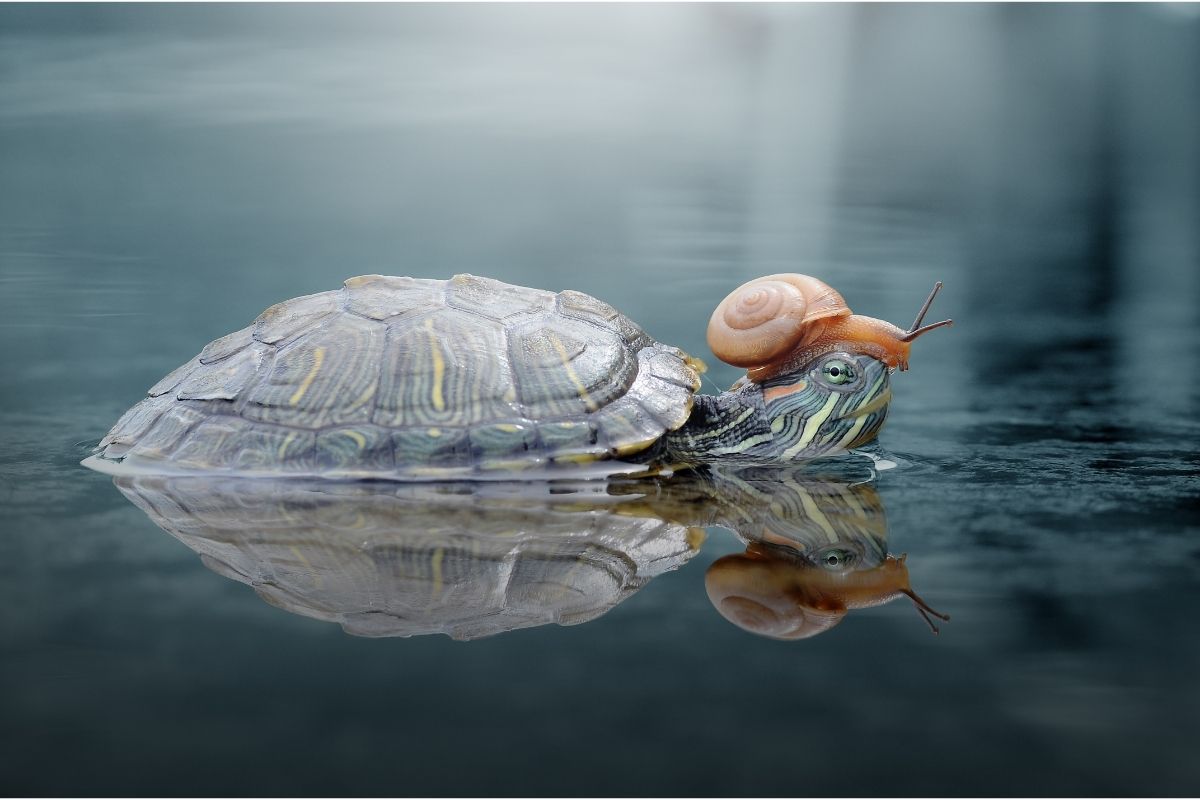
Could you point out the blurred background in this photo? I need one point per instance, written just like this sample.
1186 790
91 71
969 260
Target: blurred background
1042 161
168 171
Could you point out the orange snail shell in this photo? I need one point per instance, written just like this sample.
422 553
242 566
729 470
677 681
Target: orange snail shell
767 596
775 324
766 319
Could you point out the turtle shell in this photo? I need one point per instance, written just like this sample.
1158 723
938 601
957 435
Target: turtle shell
411 378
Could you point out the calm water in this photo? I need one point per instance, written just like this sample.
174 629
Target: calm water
167 173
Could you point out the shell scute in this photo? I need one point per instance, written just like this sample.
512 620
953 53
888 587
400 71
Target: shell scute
225 380
214 442
285 320
578 305
327 377
174 378
445 369
381 297
626 427
494 299
672 365
570 438
134 423
439 447
227 345
667 402
565 371
229 442
505 445
354 449
271 448
166 434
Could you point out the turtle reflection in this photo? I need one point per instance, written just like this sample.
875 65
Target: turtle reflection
474 559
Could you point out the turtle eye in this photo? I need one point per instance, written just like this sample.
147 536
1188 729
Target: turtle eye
836 559
837 371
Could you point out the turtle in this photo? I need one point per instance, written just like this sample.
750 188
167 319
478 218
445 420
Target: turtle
406 378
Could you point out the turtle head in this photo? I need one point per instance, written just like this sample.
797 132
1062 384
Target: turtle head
834 402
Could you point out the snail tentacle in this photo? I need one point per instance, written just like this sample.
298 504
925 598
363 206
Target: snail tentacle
915 329
937 287
910 335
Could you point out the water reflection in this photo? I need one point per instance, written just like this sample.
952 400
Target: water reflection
471 560
806 566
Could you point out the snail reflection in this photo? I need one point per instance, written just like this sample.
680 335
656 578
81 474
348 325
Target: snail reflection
475 559
819 551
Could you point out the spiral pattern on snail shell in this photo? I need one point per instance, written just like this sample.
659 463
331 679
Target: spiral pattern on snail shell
768 597
766 319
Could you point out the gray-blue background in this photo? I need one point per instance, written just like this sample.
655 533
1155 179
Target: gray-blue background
166 172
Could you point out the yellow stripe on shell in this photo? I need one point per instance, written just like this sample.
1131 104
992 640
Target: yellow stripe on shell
363 399
576 458
318 357
439 368
579 385
436 564
630 449
510 465
287 440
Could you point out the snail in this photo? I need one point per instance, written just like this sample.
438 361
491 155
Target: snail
776 594
773 324
817 376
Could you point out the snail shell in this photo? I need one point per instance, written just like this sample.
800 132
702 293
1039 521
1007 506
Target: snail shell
763 596
766 319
